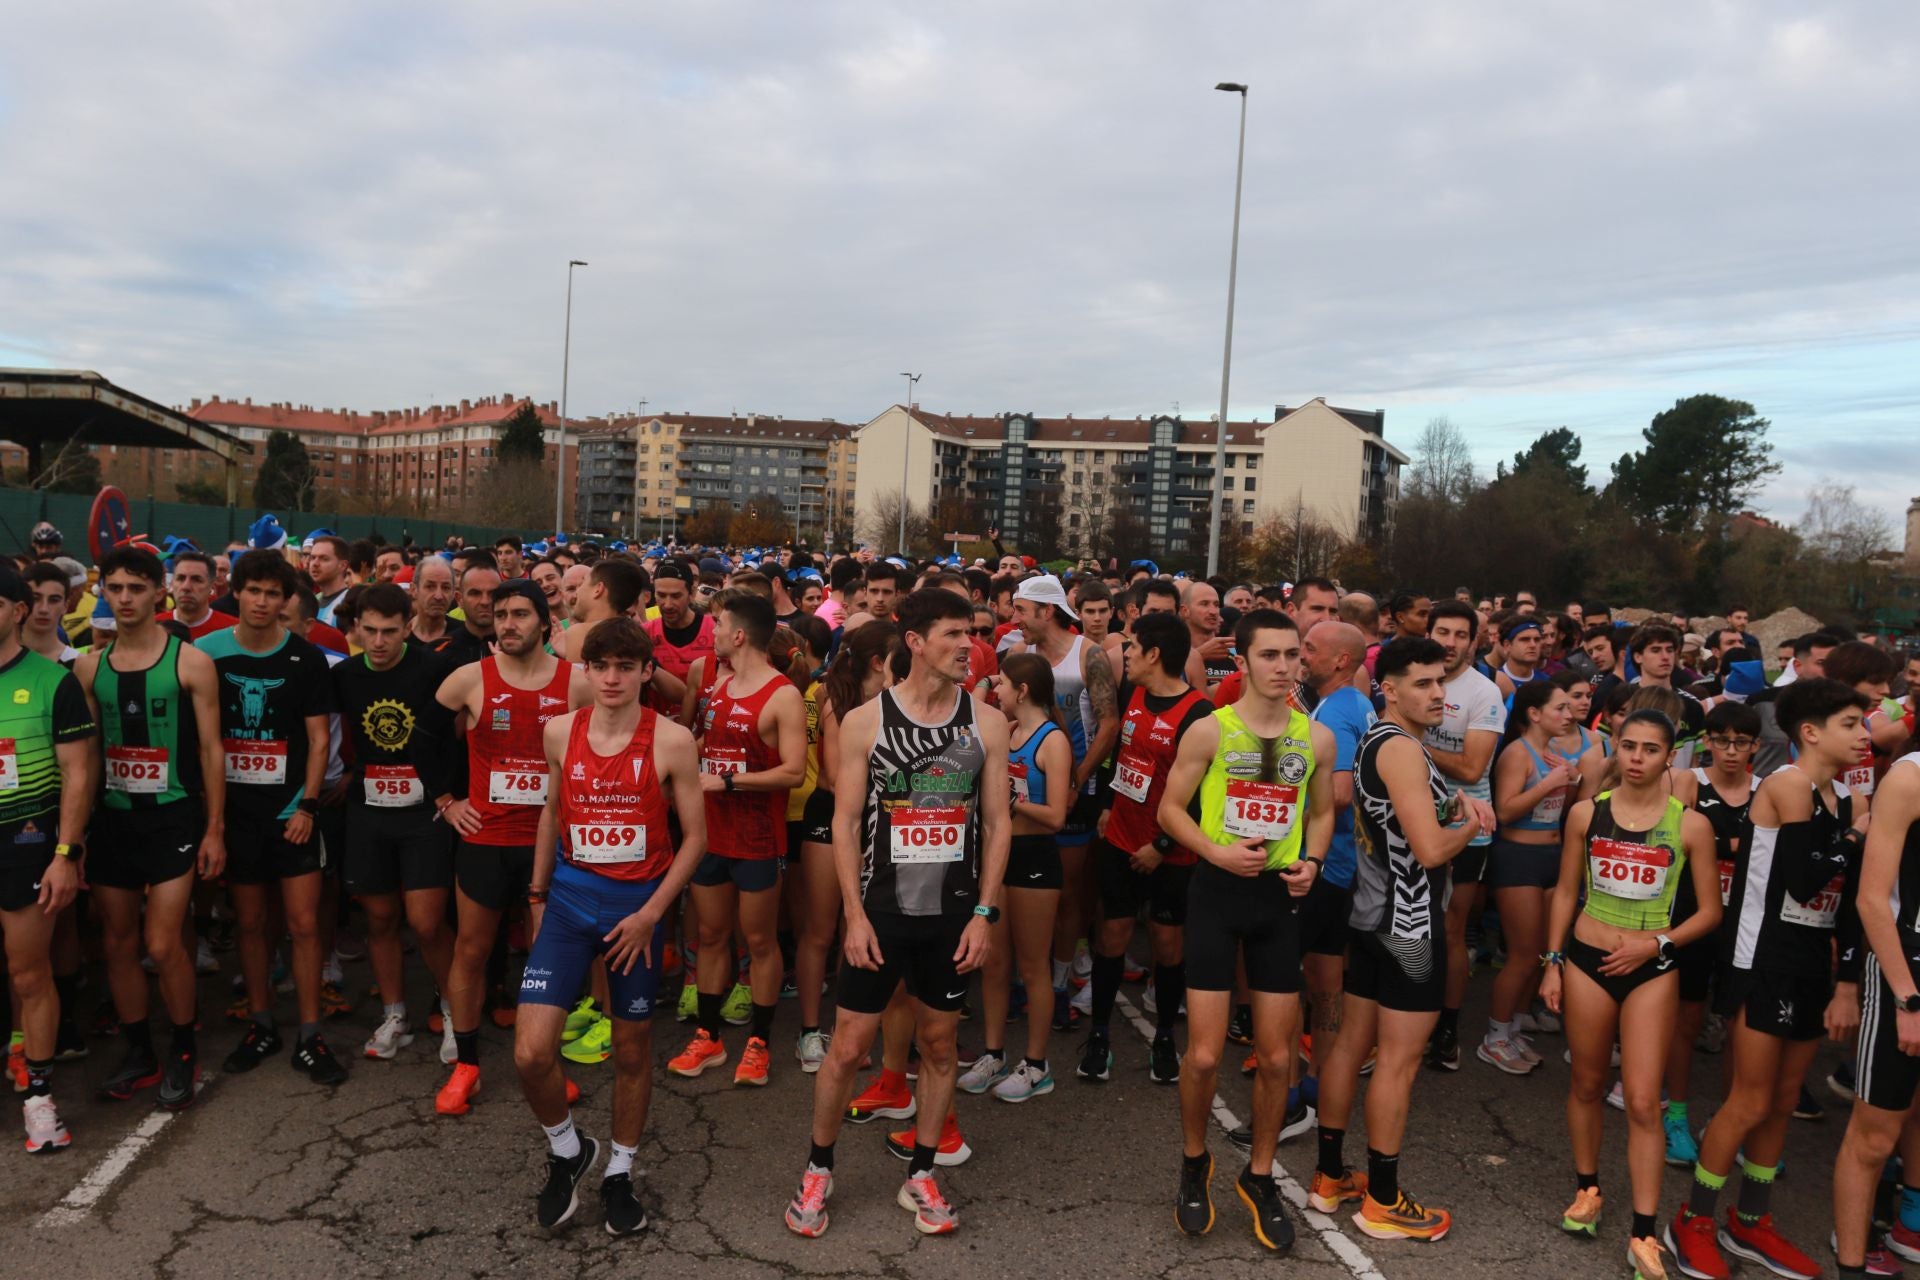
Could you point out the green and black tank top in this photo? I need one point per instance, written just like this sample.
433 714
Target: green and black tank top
152 755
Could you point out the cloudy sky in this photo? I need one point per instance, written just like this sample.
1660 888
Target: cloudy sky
1516 216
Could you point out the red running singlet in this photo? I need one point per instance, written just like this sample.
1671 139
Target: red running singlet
742 824
506 757
613 813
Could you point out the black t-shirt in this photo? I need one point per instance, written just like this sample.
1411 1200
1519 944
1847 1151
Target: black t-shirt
394 722
265 699
461 647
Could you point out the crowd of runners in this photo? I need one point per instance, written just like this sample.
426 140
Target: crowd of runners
892 798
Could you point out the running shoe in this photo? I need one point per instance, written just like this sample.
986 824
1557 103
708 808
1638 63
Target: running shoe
140 1070
1696 1251
953 1149
389 1038
1096 1059
1241 1136
1163 1061
1328 1194
46 1132
1443 1050
68 1045
1133 973
1841 1081
456 1095
502 1009
204 961
1808 1108
789 990
811 1050
239 1011
349 945
1405 1220
1879 1261
754 1063
1617 1096
737 1009
1082 1002
1761 1242
580 1020
886 1097
561 1196
933 1215
1025 1081
596 1045
1682 1149
624 1214
1647 1259
1903 1243
1525 1046
1193 1210
1539 1018
1064 1014
1261 1195
573 1093
333 1001
318 1062
1297 1121
1082 970
1505 1055
1713 1034
807 1211
1250 1065
177 1081
689 1007
259 1044
702 1052
1583 1215
983 1073
1240 1025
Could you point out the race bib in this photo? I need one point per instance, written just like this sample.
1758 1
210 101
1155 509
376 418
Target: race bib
517 781
1622 869
1859 779
604 842
1726 881
929 835
9 766
1018 772
1260 810
723 760
393 786
137 771
1820 911
255 764
1131 778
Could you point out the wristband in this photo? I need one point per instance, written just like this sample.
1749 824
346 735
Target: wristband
536 896
727 781
1548 959
1163 843
1319 864
309 807
68 851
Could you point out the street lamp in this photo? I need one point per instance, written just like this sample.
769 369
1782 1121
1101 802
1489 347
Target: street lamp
566 361
1226 359
906 445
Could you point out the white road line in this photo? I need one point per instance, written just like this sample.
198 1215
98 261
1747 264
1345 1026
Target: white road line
79 1202
1350 1255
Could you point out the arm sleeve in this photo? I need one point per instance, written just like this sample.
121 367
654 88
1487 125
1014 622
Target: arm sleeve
1849 937
1804 869
442 767
71 719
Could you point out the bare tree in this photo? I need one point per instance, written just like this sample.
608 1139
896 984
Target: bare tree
1837 526
1442 464
879 525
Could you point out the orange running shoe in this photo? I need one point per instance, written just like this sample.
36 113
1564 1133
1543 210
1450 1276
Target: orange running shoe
953 1149
670 961
456 1095
753 1063
17 1064
1404 1220
1328 1194
702 1051
1251 1066
436 1021
886 1098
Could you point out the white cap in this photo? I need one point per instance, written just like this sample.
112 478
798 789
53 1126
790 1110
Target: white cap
1046 589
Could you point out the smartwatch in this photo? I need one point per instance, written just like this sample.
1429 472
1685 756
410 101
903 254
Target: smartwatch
990 914
726 780
1668 952
1911 1004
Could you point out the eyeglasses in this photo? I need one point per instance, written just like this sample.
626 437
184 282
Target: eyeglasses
1721 742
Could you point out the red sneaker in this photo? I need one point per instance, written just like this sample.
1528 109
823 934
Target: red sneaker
573 1093
953 1149
1760 1242
1695 1251
753 1063
702 1051
885 1098
456 1095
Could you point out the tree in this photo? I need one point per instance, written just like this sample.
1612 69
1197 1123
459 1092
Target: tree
1839 537
1706 454
285 481
203 493
1556 451
73 470
760 522
879 525
510 494
1442 464
523 437
707 527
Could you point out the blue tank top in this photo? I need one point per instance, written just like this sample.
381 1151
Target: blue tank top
1029 780
1550 813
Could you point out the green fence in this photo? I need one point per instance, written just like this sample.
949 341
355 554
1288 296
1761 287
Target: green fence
210 528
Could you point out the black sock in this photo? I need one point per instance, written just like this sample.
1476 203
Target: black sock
807 1031
820 1157
1106 987
1450 1021
1196 1163
1586 1181
184 1039
68 987
39 1078
763 1020
1169 993
922 1162
466 1045
786 940
708 1018
1038 1064
139 1036
1383 1177
1333 1155
1643 1227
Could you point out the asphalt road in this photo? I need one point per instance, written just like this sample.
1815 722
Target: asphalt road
269 1174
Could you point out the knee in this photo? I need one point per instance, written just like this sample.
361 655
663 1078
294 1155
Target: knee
31 979
121 944
937 1047
429 926
1873 1144
1587 1088
1276 1064
633 1053
762 946
303 925
1202 1059
165 947
711 937
533 1058
1643 1108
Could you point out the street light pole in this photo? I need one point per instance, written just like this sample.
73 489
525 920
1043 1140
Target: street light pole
566 363
906 446
1226 359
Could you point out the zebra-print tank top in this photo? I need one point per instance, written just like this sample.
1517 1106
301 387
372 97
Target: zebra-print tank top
920 830
1393 894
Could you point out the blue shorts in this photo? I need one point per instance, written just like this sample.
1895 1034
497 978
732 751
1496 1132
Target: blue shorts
582 909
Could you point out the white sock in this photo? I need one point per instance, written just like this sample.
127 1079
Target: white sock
330 971
621 1161
563 1139
395 1010
1500 1030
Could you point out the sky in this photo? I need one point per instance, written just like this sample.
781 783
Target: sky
1518 217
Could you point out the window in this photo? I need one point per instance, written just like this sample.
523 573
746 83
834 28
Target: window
1079 478
1253 462
1226 484
1073 520
1246 528
1247 507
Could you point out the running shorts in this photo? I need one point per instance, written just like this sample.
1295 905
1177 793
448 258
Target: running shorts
136 848
749 875
1123 891
1230 917
1513 865
1408 975
1033 863
583 907
1789 1006
1323 918
916 950
816 820
25 850
391 850
493 875
258 851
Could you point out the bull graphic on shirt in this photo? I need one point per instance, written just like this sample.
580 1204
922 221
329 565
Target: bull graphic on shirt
253 698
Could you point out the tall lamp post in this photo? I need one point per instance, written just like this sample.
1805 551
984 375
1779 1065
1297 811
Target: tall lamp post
906 446
1226 359
566 363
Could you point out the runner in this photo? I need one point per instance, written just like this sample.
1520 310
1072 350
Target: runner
47 763
1790 905
472 640
502 705
680 635
610 768
41 631
1398 957
161 819
192 583
753 747
921 831
1626 851
1521 638
612 589
432 598
324 557
1210 658
1655 650
275 700
1254 766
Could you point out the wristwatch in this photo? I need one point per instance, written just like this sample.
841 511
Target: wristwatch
68 851
726 781
1667 950
1911 1004
990 914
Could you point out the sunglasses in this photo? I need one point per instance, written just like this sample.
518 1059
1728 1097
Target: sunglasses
983 631
705 592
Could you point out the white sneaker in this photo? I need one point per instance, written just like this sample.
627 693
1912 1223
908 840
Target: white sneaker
389 1038
330 971
204 961
1083 963
1617 1096
45 1131
1527 1051
986 1071
449 1047
1082 1002
812 1050
1148 1002
1024 1082
1505 1055
1540 1019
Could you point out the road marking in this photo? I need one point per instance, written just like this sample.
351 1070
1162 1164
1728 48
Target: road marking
1345 1251
79 1202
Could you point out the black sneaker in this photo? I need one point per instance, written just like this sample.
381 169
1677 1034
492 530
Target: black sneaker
259 1044
1443 1051
70 1045
177 1081
1096 1059
1298 1121
561 1196
140 1070
318 1062
1240 1025
1807 1108
1163 1061
1194 1210
1241 1137
1065 1016
625 1214
1271 1226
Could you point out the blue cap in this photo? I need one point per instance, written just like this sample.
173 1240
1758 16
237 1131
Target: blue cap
265 534
1744 679
1148 565
306 543
617 544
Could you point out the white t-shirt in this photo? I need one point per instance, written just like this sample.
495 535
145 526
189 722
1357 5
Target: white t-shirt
1473 702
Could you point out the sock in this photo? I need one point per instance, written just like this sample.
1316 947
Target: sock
1383 1177
893 1079
184 1039
1293 1098
922 1163
67 985
262 1018
1059 973
1196 1163
39 1078
1169 993
807 1031
467 1046
621 1161
1756 1190
1106 988
1910 1207
1450 1021
820 1157
398 1010
563 1139
1643 1227
138 1035
763 1020
708 1018
1846 1270
1586 1181
1497 1030
308 1030
1333 1156
1037 1064
1704 1200
1677 1111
